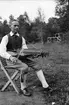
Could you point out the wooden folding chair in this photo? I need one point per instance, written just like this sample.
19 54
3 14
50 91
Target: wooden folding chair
11 79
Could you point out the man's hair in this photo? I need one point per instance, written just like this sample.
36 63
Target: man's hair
13 21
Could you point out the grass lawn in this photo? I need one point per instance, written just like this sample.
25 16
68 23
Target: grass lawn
56 71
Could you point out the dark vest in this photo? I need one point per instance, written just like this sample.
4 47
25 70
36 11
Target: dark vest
14 42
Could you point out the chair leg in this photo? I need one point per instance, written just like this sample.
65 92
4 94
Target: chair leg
7 84
10 80
17 76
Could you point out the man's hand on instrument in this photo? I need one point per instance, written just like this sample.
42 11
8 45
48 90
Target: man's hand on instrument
13 59
21 51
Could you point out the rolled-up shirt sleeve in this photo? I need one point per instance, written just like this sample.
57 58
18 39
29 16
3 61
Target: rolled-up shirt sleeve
24 46
3 49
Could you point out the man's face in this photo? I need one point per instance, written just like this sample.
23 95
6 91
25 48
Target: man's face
14 26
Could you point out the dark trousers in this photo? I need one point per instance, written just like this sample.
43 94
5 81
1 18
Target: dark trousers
30 62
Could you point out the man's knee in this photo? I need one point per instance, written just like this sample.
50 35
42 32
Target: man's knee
36 68
24 68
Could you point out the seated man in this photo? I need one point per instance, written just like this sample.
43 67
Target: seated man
14 42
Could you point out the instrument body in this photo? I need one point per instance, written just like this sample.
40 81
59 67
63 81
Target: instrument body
30 53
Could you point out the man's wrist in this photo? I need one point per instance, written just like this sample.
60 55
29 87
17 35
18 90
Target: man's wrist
10 57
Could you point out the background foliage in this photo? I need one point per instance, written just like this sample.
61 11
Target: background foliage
39 30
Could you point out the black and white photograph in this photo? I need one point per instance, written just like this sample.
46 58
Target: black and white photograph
34 52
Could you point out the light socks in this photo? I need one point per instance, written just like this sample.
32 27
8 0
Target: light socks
41 77
23 84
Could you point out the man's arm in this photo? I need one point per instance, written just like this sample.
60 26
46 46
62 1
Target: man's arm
24 46
3 50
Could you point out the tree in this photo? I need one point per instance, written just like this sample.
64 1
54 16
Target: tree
27 18
41 16
62 10
40 22
11 18
6 28
53 26
24 23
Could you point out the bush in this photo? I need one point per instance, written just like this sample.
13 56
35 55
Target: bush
65 37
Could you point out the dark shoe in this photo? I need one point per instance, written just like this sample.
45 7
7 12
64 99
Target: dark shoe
49 89
25 92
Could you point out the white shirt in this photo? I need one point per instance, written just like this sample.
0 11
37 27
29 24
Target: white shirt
3 49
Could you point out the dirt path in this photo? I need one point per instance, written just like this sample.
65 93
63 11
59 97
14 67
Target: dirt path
11 98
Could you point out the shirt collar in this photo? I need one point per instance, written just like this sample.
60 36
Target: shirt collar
11 34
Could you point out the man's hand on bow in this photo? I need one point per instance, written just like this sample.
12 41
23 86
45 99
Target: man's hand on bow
13 59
